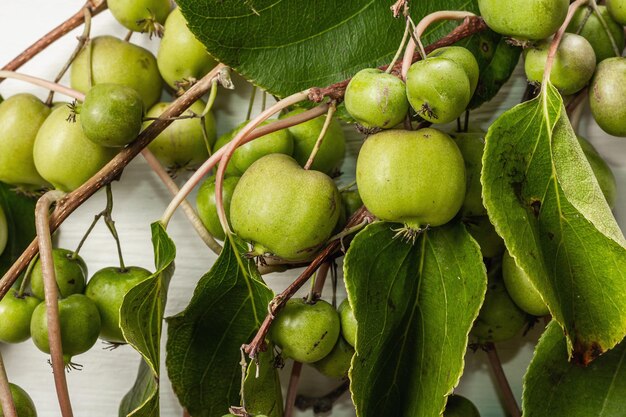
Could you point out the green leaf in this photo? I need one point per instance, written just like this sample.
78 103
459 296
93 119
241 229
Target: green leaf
20 213
263 392
555 387
141 320
414 305
544 200
204 341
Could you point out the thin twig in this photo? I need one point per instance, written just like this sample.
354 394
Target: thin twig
49 85
505 389
605 26
44 238
322 135
292 389
7 405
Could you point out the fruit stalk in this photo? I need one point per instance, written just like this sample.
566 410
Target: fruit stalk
44 238
596 10
292 389
42 83
7 406
503 383
320 139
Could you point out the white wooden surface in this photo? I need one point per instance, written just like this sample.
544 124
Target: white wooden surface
141 199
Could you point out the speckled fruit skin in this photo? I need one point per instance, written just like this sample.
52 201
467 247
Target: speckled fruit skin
411 177
118 62
80 325
376 99
348 322
284 209
602 171
472 146
4 231
483 232
337 363
21 116
181 55
594 32
305 332
111 115
574 63
459 406
181 144
15 315
63 155
130 13
524 19
464 58
107 289
332 150
71 274
607 96
205 203
521 290
438 89
617 9
24 405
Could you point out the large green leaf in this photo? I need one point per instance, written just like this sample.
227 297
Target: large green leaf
545 202
554 387
141 319
414 305
204 341
20 214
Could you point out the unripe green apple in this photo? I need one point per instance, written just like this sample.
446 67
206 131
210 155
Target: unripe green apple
348 322
134 14
472 146
284 209
607 96
617 9
521 289
351 201
4 231
305 135
601 170
524 19
337 363
21 116
411 177
15 314
587 24
181 55
481 229
376 99
117 62
438 89
182 143
70 271
24 405
205 203
306 332
459 406
63 155
464 58
111 115
573 67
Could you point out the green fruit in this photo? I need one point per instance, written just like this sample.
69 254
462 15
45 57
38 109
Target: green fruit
181 55
284 209
617 9
481 229
182 144
411 177
305 332
80 326
472 146
499 318
464 58
607 96
376 99
351 202
458 406
21 116
602 171
524 19
70 271
15 315
337 363
438 89
111 115
205 203
63 155
574 63
348 322
24 405
245 155
135 14
521 289
4 231
587 24
117 62
305 135
107 289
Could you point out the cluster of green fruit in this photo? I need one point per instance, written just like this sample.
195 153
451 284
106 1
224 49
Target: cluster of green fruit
24 405
86 310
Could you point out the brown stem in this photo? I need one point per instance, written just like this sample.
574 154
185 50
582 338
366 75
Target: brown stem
7 406
469 27
42 210
292 389
94 6
509 399
322 404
